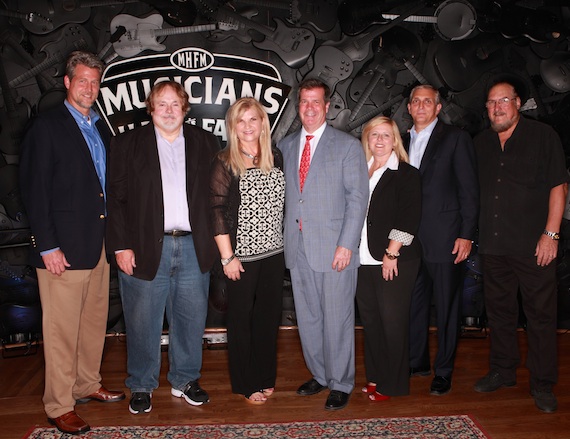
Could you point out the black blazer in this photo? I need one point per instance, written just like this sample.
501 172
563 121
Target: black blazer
450 192
135 203
61 191
395 204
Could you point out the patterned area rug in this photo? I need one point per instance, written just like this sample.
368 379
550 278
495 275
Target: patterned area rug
433 427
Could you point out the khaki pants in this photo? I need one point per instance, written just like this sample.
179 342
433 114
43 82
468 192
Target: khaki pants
75 307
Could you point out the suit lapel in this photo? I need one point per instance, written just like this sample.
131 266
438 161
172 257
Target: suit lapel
80 140
431 147
293 161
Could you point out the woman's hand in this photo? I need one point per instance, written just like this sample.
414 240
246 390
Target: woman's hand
233 269
389 268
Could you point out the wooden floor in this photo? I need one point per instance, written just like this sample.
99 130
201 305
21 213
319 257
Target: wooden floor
505 414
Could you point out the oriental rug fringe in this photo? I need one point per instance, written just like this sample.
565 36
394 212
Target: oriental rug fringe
432 427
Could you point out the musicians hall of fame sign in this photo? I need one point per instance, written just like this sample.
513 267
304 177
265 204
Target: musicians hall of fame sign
213 82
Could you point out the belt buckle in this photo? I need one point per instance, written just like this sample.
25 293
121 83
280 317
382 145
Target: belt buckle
177 233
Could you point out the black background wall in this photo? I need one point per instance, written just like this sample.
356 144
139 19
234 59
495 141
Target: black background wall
363 49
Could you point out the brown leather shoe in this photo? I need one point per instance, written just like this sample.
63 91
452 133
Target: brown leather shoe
70 423
103 395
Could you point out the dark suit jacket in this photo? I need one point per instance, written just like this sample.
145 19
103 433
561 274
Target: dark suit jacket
395 204
61 191
450 192
135 203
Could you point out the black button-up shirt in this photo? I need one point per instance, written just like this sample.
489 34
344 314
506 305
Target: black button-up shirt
515 186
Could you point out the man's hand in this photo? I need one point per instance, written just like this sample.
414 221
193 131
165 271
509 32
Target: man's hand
546 250
461 249
55 262
341 258
126 261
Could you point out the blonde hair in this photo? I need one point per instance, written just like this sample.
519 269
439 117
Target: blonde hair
398 144
231 154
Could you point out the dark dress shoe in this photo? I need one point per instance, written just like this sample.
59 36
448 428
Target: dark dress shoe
420 371
311 387
103 395
70 423
440 385
337 400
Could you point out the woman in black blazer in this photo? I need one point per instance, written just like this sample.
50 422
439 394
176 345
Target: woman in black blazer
390 259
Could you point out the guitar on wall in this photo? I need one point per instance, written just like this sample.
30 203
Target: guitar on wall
13 117
322 14
292 44
334 62
57 46
57 13
142 33
453 19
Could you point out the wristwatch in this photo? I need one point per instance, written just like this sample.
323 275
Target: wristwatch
552 235
228 260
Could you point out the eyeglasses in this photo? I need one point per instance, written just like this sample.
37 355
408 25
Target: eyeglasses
503 102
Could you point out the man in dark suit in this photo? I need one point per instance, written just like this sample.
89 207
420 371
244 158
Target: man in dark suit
159 229
62 171
450 197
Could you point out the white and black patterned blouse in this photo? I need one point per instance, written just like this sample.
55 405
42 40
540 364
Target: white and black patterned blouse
249 209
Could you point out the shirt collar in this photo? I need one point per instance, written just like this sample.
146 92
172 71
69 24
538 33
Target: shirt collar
79 116
426 131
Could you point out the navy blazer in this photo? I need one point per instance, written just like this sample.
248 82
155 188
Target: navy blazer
135 202
396 203
61 190
450 192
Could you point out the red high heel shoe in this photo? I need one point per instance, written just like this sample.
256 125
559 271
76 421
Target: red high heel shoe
369 388
377 396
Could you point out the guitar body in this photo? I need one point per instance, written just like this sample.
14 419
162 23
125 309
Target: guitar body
322 14
355 16
58 12
293 44
331 65
139 36
555 72
14 116
71 37
460 64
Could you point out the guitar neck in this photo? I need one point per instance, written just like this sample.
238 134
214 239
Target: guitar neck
366 39
9 101
51 61
420 19
265 30
413 18
97 3
184 30
285 6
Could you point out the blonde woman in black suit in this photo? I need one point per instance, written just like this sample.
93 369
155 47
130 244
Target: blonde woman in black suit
390 259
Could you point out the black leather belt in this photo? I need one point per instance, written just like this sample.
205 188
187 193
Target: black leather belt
177 233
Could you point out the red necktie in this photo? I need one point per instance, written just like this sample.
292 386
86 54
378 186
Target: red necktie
305 162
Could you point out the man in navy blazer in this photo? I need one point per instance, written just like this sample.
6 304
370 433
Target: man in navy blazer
445 157
62 180
159 229
323 221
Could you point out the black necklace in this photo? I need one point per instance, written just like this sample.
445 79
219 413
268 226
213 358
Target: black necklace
255 158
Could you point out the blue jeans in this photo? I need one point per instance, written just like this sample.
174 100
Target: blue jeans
180 289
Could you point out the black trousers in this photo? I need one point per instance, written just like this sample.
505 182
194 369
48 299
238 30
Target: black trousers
444 281
503 277
253 318
384 308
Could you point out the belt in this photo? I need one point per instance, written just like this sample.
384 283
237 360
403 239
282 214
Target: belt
177 233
